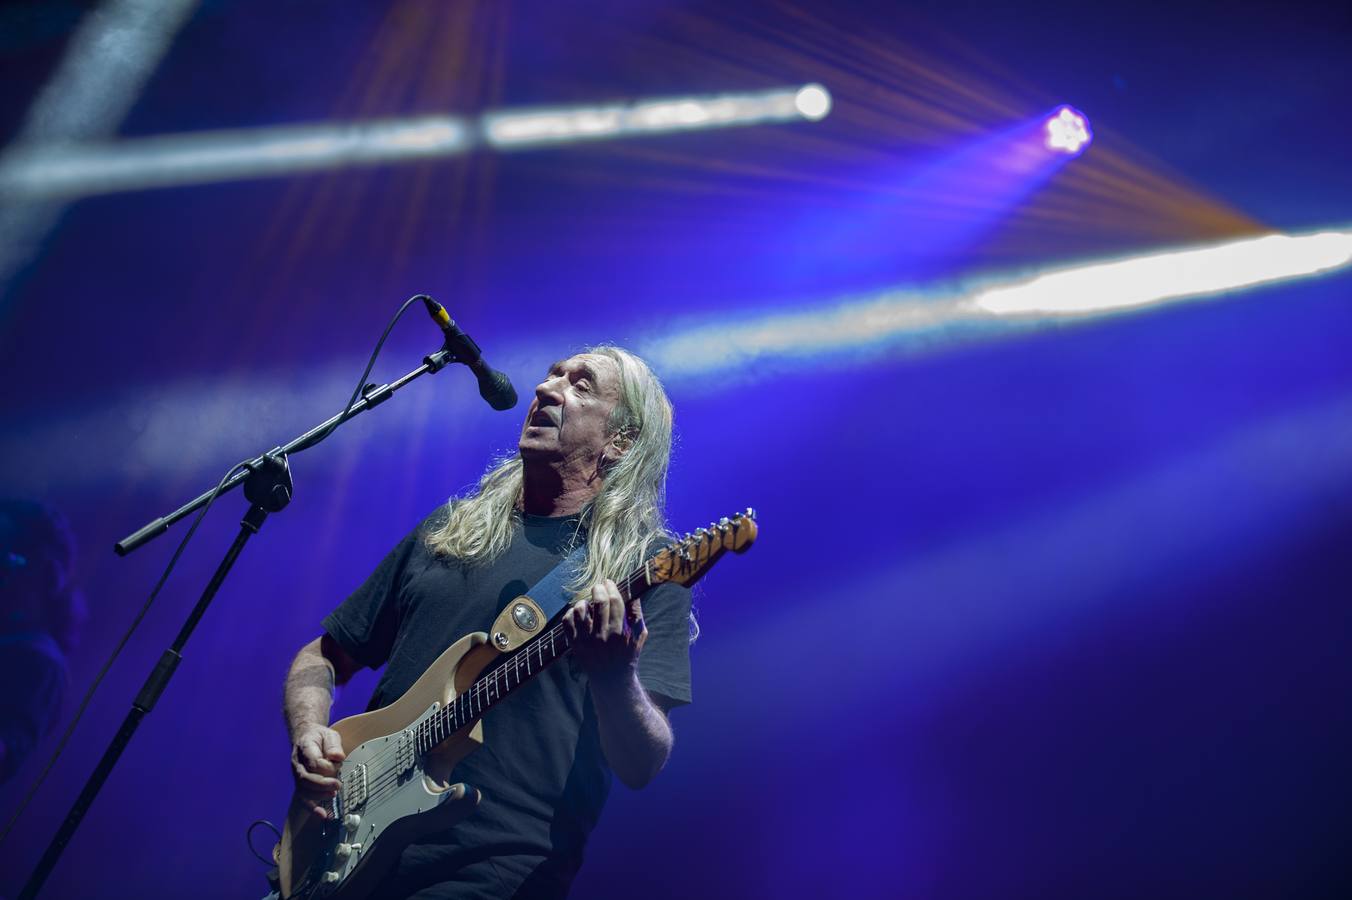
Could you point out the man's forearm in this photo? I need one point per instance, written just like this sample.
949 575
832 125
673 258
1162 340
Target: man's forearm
308 694
635 735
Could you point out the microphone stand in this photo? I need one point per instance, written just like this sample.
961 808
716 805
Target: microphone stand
268 488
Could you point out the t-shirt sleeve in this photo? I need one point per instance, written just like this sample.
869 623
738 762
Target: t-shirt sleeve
664 664
365 624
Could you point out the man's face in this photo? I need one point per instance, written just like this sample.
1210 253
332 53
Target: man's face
570 417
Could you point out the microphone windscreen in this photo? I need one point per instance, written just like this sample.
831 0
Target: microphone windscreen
496 388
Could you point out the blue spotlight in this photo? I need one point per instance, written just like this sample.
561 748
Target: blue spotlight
1068 131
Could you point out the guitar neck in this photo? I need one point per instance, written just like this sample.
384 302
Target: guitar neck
684 562
521 666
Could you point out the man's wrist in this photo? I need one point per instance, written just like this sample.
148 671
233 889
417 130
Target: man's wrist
620 682
299 724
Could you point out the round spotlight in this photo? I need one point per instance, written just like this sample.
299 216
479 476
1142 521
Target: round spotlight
812 101
1068 131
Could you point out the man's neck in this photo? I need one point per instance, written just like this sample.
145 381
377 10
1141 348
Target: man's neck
545 491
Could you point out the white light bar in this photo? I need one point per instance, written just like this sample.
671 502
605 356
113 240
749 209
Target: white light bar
1169 276
113 52
225 155
529 128
75 170
912 320
107 61
723 345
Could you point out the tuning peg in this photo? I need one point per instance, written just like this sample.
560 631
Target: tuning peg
750 513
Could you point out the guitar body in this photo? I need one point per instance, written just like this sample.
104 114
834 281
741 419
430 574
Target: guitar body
395 795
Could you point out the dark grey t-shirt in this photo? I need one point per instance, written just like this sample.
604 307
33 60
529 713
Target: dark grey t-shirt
541 770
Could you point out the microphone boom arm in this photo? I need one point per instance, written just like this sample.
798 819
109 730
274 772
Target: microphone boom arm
371 395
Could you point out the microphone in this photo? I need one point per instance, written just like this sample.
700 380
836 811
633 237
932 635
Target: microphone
494 386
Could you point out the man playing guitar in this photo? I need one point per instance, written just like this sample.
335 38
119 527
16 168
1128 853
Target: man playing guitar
591 467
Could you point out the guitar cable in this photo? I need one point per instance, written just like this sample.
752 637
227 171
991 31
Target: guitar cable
248 839
173 561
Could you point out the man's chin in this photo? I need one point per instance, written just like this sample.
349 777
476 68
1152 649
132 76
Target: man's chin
537 449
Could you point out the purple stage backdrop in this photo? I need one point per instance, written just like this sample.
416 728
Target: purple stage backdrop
1060 611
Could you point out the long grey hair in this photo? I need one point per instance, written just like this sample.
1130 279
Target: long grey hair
622 522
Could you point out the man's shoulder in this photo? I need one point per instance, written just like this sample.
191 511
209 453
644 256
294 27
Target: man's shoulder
435 520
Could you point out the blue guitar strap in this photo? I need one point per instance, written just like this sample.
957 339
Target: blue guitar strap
551 593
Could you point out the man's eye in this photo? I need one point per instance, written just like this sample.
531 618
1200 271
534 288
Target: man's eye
584 385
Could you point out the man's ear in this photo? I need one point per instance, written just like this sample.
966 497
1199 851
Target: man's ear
619 445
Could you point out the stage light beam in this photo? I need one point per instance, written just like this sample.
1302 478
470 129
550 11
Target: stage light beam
80 169
215 156
109 58
913 320
1173 275
509 129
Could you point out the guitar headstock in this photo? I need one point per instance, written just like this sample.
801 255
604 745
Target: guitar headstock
686 561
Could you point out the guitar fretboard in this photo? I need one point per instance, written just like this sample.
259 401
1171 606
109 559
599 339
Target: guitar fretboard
521 666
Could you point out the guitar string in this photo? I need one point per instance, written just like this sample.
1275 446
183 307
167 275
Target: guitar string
479 690
388 778
480 693
382 784
484 693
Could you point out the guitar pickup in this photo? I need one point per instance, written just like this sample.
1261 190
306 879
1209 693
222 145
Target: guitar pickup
354 788
406 752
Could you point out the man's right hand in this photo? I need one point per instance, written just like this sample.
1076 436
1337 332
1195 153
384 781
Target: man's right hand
316 752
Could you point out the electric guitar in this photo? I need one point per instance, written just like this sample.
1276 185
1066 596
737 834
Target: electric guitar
396 777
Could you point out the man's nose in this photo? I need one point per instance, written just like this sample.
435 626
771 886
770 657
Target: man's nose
549 390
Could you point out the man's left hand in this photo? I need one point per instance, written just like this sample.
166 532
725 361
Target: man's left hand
606 635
